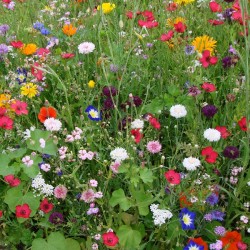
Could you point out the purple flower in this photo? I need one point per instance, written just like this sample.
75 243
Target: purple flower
109 91
137 101
232 50
217 215
193 91
231 152
56 218
227 62
227 14
209 111
108 104
3 49
219 230
113 68
189 50
212 199
3 29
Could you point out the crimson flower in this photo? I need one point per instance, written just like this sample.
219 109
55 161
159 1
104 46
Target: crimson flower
243 123
42 52
16 44
6 122
137 134
223 131
208 87
180 27
2 111
37 72
45 206
173 177
1 213
215 22
23 211
154 122
67 55
110 239
168 36
11 180
215 7
207 59
210 154
172 7
148 24
19 107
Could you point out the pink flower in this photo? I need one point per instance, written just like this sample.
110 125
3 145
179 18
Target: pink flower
93 183
88 196
173 177
115 167
154 147
11 180
168 36
6 122
19 107
42 52
207 59
67 55
60 192
83 155
37 72
27 161
208 87
180 27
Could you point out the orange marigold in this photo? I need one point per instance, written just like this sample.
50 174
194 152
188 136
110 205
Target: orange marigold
28 49
69 29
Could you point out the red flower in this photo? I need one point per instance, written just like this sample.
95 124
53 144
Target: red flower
129 14
23 211
180 27
208 87
210 154
67 55
6 1
215 22
173 177
42 52
46 113
231 239
11 180
2 111
110 239
45 206
215 7
19 107
16 44
154 122
172 7
223 131
199 241
137 134
207 59
6 122
243 123
168 36
148 15
184 201
148 24
37 72
1 213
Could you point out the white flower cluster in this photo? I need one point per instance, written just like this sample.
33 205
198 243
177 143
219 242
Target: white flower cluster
39 184
160 215
137 124
119 154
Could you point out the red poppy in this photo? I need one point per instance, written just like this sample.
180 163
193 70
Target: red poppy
45 113
208 87
210 154
199 241
16 44
23 211
180 27
11 180
215 7
223 131
173 177
168 36
110 239
45 206
215 22
154 122
231 239
243 123
137 134
207 59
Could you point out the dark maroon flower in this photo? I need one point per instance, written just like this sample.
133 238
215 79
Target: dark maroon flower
124 122
193 91
227 14
56 218
137 101
108 103
227 62
209 111
109 91
231 152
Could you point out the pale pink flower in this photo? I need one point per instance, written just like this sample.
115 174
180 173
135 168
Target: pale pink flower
93 183
154 147
60 192
69 138
27 161
83 155
115 167
45 167
88 196
98 195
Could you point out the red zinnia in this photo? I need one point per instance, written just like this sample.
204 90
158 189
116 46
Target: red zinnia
110 239
173 177
210 154
223 131
45 113
180 27
23 211
243 123
11 180
207 59
231 239
199 241
45 206
137 134
208 87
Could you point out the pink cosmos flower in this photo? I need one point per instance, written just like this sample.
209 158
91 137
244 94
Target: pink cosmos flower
6 122
88 196
60 192
19 107
154 147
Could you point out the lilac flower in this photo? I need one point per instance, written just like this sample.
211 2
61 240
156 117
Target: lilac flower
3 49
217 215
56 218
45 31
232 50
231 152
3 29
219 230
212 199
209 111
113 68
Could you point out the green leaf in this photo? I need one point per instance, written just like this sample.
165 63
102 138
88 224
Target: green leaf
146 175
40 244
143 200
56 240
72 244
168 100
118 197
4 168
174 90
155 107
17 153
33 170
129 238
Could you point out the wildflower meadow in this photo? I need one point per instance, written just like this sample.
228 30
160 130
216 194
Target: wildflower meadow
124 125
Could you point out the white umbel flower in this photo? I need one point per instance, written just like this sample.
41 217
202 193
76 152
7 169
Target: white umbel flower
178 111
212 134
52 124
191 163
137 124
86 47
160 215
119 154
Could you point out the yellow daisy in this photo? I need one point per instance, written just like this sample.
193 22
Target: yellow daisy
183 2
29 89
205 42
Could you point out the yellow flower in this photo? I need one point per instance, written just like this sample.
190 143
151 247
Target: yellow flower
91 84
29 89
172 22
28 49
69 29
184 2
205 42
106 7
5 100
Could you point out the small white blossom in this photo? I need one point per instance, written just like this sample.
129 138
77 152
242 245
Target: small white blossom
137 124
160 215
119 154
191 163
178 111
212 135
52 124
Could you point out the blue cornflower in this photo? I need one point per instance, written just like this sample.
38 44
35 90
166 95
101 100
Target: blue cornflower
217 215
212 199
93 113
189 50
187 219
21 75
46 156
44 31
193 246
38 25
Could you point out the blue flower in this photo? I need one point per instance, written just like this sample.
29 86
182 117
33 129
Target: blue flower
217 215
193 246
212 199
187 219
45 31
38 25
21 75
93 113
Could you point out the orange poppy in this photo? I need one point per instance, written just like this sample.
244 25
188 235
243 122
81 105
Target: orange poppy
69 29
230 240
45 113
184 201
201 242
